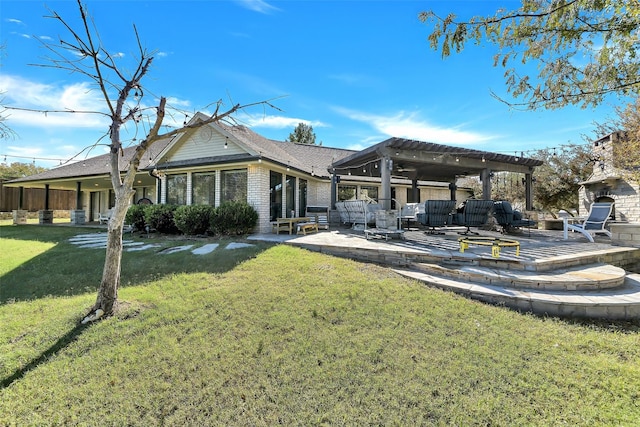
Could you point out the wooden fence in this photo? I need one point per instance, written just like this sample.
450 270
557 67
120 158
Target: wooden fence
33 199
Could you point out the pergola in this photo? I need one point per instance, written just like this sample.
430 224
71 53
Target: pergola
426 161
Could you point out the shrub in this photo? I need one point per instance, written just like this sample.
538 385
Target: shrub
193 219
160 218
135 216
233 218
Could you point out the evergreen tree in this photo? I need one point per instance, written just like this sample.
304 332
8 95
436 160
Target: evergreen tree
302 134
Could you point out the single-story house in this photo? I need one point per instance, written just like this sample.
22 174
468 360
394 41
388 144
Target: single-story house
220 162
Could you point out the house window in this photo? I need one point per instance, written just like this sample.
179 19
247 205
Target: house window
234 186
275 195
368 192
291 195
203 188
413 195
302 196
177 189
346 192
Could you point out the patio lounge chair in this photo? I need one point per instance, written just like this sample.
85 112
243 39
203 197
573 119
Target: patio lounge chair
474 214
319 215
410 212
599 214
104 217
437 213
508 218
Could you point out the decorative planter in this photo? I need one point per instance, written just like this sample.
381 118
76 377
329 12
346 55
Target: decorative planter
78 217
45 217
20 216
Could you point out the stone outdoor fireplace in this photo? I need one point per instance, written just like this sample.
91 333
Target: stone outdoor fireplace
607 184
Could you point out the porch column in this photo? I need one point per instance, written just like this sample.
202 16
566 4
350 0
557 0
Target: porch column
528 191
46 197
78 195
78 215
385 175
485 177
45 216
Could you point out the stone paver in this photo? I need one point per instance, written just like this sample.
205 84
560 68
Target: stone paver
206 249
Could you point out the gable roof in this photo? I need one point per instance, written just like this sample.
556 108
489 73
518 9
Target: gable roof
311 159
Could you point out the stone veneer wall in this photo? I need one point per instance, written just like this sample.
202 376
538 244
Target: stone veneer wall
626 196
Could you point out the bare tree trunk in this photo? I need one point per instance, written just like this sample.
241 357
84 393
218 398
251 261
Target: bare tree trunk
108 292
106 302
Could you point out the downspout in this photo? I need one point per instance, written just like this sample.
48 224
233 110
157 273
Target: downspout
158 185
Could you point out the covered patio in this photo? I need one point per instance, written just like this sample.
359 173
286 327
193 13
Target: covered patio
426 161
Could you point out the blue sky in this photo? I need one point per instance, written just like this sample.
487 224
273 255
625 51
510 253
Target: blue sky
358 71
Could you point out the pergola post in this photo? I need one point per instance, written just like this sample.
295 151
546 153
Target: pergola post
485 177
385 175
334 189
528 191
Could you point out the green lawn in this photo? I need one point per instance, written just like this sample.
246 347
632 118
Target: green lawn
279 335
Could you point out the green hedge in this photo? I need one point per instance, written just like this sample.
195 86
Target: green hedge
160 218
233 218
193 219
135 216
230 218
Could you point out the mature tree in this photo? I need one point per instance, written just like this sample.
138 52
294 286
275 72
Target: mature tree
558 179
626 151
19 170
122 93
585 49
303 134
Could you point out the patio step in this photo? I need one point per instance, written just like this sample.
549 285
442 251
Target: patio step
622 302
582 278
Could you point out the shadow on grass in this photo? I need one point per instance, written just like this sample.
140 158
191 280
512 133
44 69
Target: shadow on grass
63 342
67 269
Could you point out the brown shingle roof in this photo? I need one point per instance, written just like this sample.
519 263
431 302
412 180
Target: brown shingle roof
95 166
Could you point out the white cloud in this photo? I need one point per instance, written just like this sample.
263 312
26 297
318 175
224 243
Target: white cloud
278 122
14 21
411 126
259 6
31 95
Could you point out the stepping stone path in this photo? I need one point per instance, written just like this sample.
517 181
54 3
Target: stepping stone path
99 241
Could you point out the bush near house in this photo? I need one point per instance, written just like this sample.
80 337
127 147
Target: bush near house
230 218
233 218
135 216
193 219
160 218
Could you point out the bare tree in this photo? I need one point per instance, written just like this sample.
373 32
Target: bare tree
122 94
